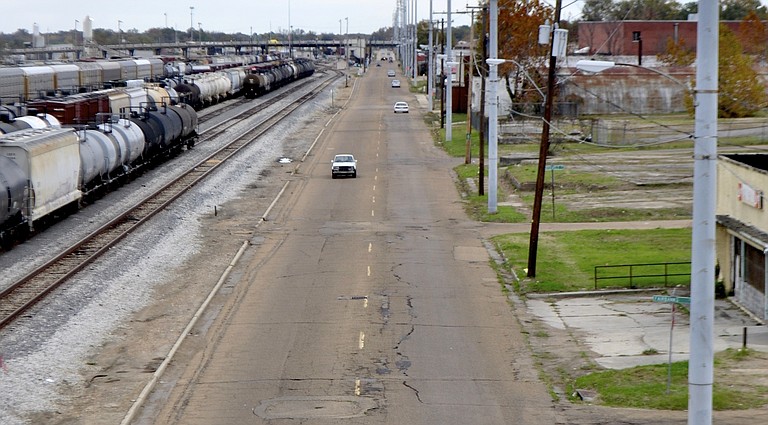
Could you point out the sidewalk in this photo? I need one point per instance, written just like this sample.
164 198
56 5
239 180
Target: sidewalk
492 229
627 330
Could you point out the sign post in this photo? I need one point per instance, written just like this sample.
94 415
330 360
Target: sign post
552 169
674 300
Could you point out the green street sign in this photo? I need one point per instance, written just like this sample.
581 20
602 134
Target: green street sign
555 167
671 299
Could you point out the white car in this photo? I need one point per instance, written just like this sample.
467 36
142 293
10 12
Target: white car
396 83
344 164
401 107
391 73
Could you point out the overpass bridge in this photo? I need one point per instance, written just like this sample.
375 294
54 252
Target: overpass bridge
186 48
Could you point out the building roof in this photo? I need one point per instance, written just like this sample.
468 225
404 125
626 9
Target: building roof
757 161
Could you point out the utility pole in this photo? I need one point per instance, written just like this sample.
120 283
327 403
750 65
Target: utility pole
481 133
431 66
468 84
449 94
543 148
701 362
493 120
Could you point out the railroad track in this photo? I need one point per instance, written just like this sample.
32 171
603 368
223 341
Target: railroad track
33 287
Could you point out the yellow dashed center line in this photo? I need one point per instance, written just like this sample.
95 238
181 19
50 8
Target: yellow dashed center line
361 341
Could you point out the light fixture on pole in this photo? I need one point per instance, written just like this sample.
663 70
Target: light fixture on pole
346 54
191 23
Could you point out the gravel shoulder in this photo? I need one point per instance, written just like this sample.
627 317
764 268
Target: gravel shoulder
83 356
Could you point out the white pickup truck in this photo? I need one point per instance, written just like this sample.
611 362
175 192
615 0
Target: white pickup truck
344 164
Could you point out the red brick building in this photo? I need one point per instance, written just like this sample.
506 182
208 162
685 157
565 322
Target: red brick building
618 38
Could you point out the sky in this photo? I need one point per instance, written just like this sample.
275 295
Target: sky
320 16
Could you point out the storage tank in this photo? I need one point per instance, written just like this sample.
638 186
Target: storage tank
87 29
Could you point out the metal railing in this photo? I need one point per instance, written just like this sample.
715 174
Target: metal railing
648 274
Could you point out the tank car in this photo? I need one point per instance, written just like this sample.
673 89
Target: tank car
26 122
129 138
189 93
99 157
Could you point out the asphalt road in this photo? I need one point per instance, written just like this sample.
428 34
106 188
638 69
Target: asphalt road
369 299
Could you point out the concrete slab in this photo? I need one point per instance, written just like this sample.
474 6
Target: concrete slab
621 328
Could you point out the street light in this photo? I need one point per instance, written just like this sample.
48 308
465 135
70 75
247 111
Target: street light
191 23
346 54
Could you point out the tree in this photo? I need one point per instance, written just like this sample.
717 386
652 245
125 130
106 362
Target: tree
646 10
753 35
736 10
740 93
677 54
596 10
519 22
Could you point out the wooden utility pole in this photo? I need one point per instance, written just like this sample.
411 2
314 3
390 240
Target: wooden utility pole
468 84
533 246
481 133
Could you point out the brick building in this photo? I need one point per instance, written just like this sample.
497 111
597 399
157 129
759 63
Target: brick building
618 38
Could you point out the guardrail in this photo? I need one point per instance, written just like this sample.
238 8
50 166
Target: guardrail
647 274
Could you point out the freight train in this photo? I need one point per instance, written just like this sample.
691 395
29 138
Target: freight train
46 168
198 90
49 163
32 82
132 86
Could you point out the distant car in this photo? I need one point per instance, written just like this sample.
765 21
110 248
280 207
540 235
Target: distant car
401 107
344 164
378 64
391 73
396 83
